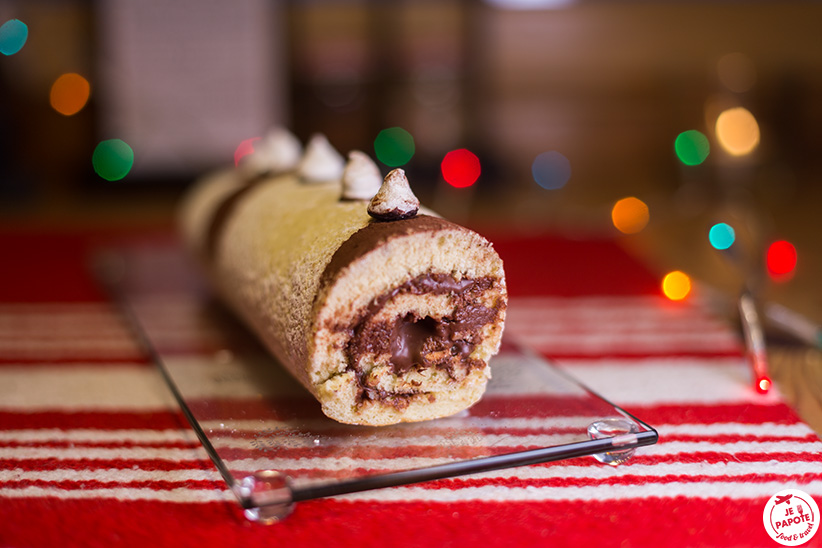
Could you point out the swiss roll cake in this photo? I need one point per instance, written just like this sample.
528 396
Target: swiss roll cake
381 309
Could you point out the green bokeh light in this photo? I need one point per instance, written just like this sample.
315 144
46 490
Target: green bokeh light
692 147
112 159
394 146
13 36
722 236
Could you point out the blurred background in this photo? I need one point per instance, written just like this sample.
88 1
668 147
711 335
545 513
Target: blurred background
647 122
689 132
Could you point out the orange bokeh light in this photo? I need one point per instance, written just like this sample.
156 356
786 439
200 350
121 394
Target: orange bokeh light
69 94
630 215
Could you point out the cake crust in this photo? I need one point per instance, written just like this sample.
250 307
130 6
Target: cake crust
383 322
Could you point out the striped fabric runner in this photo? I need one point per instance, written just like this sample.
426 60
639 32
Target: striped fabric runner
94 452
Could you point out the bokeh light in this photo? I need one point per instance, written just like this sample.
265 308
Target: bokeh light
737 131
721 236
630 215
460 168
763 385
245 148
394 146
551 170
691 147
69 94
676 285
781 259
112 159
13 36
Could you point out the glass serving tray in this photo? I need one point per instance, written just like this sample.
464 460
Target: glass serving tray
269 440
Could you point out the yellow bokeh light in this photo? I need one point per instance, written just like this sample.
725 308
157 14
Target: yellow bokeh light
737 131
630 215
676 285
69 94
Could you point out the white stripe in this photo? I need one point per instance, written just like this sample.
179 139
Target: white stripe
736 429
537 472
25 388
616 318
687 469
679 447
718 490
110 475
104 453
144 453
402 463
640 302
657 381
184 494
81 435
638 343
433 431
446 425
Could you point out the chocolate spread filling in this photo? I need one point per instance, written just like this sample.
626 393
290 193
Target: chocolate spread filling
415 342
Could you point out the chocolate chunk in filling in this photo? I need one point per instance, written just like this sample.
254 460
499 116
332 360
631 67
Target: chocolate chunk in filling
421 342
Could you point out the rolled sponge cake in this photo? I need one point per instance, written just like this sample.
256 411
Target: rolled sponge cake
382 321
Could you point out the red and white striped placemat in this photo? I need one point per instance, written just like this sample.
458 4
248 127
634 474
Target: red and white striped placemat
94 452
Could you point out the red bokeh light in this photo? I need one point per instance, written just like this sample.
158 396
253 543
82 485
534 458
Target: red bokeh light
244 149
763 385
781 258
460 168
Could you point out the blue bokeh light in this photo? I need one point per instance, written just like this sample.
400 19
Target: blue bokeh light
551 170
13 36
722 236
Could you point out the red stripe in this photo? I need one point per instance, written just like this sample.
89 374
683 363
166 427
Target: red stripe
52 463
490 406
305 407
334 523
732 438
628 355
155 485
113 420
745 413
544 265
32 359
70 444
334 450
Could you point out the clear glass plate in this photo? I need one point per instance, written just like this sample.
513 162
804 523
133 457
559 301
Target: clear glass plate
273 446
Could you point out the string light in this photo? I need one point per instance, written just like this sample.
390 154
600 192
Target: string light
737 131
245 148
460 168
551 170
781 259
721 236
69 94
112 159
691 147
676 285
630 215
394 146
13 36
